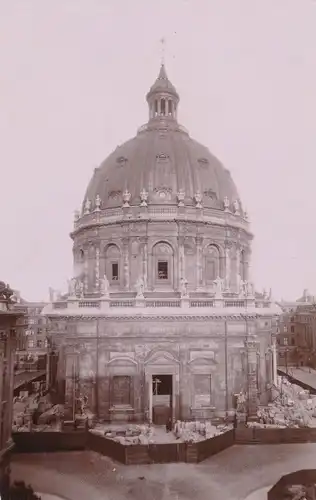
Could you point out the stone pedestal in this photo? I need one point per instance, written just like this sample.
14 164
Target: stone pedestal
105 303
218 301
73 303
185 302
140 302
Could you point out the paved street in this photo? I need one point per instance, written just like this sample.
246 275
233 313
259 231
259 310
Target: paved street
235 474
303 374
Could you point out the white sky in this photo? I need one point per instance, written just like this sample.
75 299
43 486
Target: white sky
73 79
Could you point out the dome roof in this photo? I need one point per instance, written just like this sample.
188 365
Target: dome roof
162 160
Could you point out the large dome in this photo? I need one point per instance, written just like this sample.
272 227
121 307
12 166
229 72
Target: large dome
162 209
162 160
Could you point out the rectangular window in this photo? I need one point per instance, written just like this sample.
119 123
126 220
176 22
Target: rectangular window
162 270
38 343
292 329
285 341
115 271
31 343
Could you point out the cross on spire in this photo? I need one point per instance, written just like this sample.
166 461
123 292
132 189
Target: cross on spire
163 42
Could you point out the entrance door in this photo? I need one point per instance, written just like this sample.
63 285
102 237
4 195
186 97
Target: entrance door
161 398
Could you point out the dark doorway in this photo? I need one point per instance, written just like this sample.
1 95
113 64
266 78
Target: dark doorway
162 385
162 398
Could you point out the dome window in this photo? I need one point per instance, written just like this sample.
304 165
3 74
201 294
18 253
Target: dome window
115 195
210 194
162 156
121 161
203 162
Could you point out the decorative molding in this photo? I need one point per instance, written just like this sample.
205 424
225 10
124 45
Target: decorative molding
148 319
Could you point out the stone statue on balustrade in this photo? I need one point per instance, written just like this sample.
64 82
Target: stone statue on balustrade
104 286
247 289
219 284
79 289
184 288
140 288
72 287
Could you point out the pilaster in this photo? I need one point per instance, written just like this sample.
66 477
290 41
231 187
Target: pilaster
251 347
126 262
199 265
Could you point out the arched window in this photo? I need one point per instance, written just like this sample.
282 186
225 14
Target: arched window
212 270
170 107
163 262
156 107
163 107
112 264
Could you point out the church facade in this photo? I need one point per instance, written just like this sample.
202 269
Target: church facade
161 318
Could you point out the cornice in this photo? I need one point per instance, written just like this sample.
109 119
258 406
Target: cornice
167 220
171 318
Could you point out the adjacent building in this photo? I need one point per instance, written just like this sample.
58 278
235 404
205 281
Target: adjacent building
161 317
296 339
9 332
32 345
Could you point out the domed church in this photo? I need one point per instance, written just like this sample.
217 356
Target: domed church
161 318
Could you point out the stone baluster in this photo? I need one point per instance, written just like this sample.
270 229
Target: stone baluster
126 262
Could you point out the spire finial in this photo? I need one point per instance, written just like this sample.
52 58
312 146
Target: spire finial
162 41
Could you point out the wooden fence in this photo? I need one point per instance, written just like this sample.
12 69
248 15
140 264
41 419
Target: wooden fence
32 442
255 435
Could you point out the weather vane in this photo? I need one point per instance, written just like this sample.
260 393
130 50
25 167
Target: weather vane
163 41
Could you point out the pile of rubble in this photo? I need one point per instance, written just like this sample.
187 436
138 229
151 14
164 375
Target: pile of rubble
36 414
292 407
192 432
187 432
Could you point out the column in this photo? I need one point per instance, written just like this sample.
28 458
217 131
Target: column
150 398
159 107
247 269
251 346
71 382
238 250
145 261
274 363
126 262
181 272
199 265
97 268
85 271
227 264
